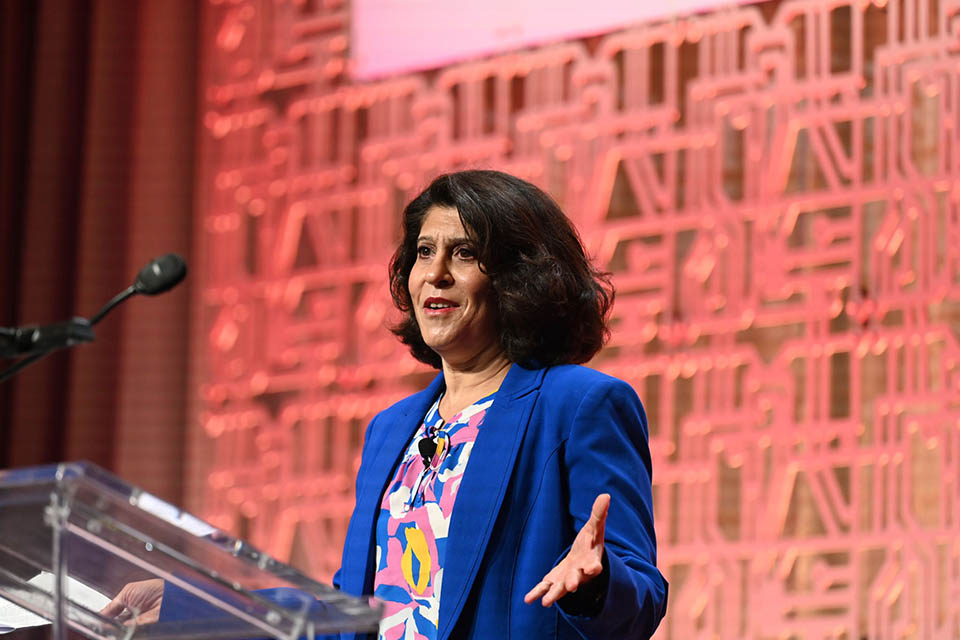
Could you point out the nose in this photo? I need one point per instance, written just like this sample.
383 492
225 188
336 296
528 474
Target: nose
439 273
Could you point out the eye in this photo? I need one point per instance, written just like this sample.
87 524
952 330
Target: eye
423 251
466 253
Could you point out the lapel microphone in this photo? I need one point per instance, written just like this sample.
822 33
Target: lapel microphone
428 447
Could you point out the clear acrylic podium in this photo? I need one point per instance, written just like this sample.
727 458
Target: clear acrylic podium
73 529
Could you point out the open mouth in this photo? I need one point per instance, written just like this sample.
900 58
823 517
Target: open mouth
439 305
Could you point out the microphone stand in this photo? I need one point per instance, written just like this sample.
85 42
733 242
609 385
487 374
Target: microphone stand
160 275
83 326
25 362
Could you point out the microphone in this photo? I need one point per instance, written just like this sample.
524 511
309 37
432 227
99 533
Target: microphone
20 341
159 275
427 446
162 274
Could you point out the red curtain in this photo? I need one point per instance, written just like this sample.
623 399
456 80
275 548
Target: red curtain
97 129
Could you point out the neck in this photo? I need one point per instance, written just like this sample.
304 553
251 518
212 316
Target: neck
471 380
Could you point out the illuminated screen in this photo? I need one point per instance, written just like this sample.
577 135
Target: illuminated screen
395 36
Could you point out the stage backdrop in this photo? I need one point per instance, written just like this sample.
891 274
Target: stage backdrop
777 191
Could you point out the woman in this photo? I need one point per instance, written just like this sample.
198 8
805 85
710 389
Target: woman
511 498
483 501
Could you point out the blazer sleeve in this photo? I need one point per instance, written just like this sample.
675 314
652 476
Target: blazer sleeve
607 451
338 577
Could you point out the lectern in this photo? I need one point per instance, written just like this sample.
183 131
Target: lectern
72 533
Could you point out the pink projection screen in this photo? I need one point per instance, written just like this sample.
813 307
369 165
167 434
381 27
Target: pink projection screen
776 190
397 36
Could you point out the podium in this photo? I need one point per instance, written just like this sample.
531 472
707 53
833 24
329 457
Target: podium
73 535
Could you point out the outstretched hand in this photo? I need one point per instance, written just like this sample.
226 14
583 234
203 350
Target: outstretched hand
143 597
583 563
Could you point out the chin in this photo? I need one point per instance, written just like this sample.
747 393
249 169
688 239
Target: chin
439 346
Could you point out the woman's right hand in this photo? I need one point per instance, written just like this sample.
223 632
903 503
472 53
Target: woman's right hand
143 597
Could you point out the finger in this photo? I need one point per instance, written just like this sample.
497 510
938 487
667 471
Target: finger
536 592
149 617
598 515
555 592
593 569
573 580
114 608
600 507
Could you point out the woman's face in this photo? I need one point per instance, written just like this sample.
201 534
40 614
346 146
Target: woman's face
452 298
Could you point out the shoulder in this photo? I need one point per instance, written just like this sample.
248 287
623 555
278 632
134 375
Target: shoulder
583 380
415 404
595 405
575 390
583 405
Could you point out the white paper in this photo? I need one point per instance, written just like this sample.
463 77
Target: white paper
13 617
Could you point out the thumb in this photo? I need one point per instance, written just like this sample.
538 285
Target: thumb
114 608
600 508
598 516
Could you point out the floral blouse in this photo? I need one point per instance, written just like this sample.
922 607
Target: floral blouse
414 520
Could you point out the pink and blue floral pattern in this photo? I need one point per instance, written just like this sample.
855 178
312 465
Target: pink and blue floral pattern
414 520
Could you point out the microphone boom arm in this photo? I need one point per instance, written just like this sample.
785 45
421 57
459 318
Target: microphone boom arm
160 275
107 308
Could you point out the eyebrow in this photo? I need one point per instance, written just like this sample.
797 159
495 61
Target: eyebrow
453 241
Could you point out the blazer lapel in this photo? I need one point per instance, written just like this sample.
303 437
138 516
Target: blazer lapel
392 439
482 490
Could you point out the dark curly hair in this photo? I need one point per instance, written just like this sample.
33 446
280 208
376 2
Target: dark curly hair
552 304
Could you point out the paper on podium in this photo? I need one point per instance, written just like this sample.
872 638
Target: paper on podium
80 522
13 617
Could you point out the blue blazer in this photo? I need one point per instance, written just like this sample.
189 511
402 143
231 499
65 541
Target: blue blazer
553 440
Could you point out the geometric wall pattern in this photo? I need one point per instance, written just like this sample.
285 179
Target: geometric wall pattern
776 189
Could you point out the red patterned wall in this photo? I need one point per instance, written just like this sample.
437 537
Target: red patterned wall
775 187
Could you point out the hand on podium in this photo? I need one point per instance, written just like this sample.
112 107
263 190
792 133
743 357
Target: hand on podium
143 597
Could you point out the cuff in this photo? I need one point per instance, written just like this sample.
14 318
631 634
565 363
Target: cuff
588 600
